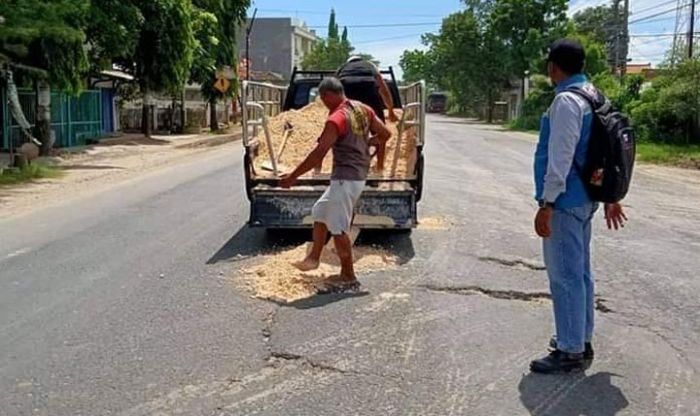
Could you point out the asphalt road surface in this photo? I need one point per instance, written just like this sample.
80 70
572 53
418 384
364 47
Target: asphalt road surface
124 302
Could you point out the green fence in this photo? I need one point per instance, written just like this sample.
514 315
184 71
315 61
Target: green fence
74 119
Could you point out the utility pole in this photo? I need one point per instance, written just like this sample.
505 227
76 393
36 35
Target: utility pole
247 44
616 45
626 38
691 29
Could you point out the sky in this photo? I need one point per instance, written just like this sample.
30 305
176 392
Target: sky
408 19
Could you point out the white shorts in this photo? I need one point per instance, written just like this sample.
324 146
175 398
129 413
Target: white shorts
336 206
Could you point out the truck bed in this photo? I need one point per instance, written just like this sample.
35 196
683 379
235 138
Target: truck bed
386 206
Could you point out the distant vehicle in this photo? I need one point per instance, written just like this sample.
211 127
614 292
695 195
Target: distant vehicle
437 102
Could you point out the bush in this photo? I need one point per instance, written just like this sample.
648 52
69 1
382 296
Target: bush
668 111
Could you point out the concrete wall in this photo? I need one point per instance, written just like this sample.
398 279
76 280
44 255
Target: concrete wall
270 46
277 44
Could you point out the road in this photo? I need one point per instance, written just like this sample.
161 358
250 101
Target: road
126 302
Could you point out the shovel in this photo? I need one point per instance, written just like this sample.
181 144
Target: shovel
268 165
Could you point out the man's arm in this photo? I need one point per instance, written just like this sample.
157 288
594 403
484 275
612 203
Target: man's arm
315 158
566 120
381 134
385 94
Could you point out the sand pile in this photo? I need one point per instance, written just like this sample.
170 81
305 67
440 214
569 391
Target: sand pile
275 278
434 223
308 124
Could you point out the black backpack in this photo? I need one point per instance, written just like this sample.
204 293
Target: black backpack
610 159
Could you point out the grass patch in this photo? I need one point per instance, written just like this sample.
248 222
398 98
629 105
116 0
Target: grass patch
687 156
27 174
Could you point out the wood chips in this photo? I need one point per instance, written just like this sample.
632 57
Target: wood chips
308 124
274 278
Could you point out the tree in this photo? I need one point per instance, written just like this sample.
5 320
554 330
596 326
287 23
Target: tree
417 65
44 41
163 55
601 24
332 26
330 53
113 28
527 28
216 24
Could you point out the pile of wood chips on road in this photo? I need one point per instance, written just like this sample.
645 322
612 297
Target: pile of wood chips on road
274 278
308 124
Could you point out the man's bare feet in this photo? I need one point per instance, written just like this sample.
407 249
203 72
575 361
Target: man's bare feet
338 284
307 264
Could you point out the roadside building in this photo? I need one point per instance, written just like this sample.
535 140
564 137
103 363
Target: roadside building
277 45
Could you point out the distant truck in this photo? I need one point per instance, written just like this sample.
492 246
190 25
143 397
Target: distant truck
437 102
386 203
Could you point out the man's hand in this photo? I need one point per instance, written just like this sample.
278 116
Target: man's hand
614 216
287 180
543 221
392 116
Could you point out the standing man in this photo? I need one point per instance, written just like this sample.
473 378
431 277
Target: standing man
348 132
363 82
566 211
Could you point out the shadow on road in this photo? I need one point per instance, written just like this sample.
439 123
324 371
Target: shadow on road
249 242
397 243
571 395
253 241
320 301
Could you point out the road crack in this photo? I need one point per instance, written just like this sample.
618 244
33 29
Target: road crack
276 357
600 303
514 262
496 294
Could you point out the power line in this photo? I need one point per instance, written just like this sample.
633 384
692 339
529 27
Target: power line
379 25
316 12
647 9
651 16
661 19
387 39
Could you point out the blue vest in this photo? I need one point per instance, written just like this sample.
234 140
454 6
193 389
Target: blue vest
575 194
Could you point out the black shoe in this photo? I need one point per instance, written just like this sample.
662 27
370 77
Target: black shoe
558 362
588 353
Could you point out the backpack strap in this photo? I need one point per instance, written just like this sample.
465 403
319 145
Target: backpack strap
599 103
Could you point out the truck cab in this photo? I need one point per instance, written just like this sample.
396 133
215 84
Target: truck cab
386 202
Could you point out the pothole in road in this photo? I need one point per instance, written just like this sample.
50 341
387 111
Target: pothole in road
536 297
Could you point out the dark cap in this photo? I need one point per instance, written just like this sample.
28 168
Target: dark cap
568 55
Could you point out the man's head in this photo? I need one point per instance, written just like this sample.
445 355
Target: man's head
566 58
331 92
353 59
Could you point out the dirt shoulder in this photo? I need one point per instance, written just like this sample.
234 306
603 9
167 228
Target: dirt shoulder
95 168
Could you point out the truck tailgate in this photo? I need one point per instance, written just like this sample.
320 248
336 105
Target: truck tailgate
381 207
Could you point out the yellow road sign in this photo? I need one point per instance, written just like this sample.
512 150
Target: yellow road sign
222 84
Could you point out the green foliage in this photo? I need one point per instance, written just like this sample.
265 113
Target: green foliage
527 27
46 35
166 43
27 174
670 154
215 25
668 110
540 97
332 26
113 28
418 65
331 53
327 55
601 25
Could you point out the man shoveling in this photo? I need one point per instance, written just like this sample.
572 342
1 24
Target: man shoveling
351 129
